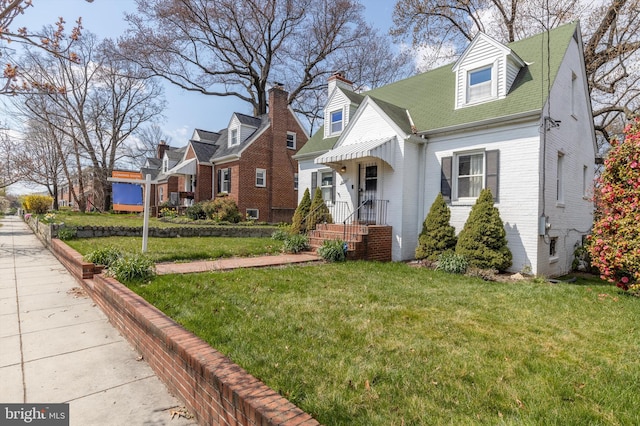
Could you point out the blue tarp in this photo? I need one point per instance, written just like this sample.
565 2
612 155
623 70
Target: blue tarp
127 193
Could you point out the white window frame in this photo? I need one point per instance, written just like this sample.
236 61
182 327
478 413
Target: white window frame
456 176
296 180
491 83
253 214
585 179
291 137
234 138
224 185
333 130
560 179
165 164
326 189
160 194
261 174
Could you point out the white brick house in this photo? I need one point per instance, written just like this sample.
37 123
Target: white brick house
515 118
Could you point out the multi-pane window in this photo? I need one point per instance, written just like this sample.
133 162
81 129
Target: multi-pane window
224 180
479 84
295 181
233 137
261 178
336 121
291 140
326 186
470 175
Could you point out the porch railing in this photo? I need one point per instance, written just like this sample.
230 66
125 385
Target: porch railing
369 212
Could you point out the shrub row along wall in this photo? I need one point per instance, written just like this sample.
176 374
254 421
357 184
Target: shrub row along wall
215 390
183 231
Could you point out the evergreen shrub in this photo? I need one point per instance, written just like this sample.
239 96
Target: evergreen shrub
483 240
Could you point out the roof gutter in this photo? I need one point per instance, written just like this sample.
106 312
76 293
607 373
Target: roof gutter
226 159
309 155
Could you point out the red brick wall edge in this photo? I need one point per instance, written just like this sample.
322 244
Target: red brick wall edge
214 389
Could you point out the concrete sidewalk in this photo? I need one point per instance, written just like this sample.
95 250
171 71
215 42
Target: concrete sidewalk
57 346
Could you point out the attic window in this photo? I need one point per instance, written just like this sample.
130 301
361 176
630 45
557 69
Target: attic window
480 84
233 137
336 121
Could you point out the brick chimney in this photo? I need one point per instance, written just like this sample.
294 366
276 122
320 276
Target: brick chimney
162 147
338 79
278 103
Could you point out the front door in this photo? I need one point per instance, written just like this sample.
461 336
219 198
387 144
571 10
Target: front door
367 193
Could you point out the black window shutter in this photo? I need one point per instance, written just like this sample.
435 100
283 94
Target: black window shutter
333 189
314 183
229 177
219 182
445 178
493 166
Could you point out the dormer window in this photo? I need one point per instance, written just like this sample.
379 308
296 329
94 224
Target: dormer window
336 121
233 137
165 164
480 84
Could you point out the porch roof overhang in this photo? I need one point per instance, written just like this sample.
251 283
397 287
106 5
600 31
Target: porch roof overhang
184 168
378 148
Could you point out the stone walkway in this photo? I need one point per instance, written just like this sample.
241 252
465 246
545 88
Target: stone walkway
236 262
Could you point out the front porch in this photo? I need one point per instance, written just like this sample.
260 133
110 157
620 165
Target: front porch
364 229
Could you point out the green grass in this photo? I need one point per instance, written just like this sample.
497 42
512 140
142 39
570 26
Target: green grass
363 343
184 248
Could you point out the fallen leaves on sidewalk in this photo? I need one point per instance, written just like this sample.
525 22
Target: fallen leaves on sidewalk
180 412
77 292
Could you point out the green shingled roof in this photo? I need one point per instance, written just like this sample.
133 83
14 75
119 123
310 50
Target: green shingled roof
430 96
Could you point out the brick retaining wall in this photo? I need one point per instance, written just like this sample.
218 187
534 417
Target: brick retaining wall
214 389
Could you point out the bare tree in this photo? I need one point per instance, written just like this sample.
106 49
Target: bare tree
104 102
611 32
57 43
42 157
145 144
10 172
240 47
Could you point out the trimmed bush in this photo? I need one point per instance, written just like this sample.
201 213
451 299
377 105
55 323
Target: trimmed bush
483 240
222 209
296 243
318 212
452 263
333 250
437 235
38 204
132 267
298 226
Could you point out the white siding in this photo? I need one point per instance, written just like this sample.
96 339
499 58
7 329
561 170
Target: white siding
337 102
575 139
518 182
512 72
481 53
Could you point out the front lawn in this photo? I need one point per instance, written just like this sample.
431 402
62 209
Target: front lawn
184 248
363 343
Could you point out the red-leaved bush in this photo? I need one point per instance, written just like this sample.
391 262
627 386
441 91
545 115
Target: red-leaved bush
615 242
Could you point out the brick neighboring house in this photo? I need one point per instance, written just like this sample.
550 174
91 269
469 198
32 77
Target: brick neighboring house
250 161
